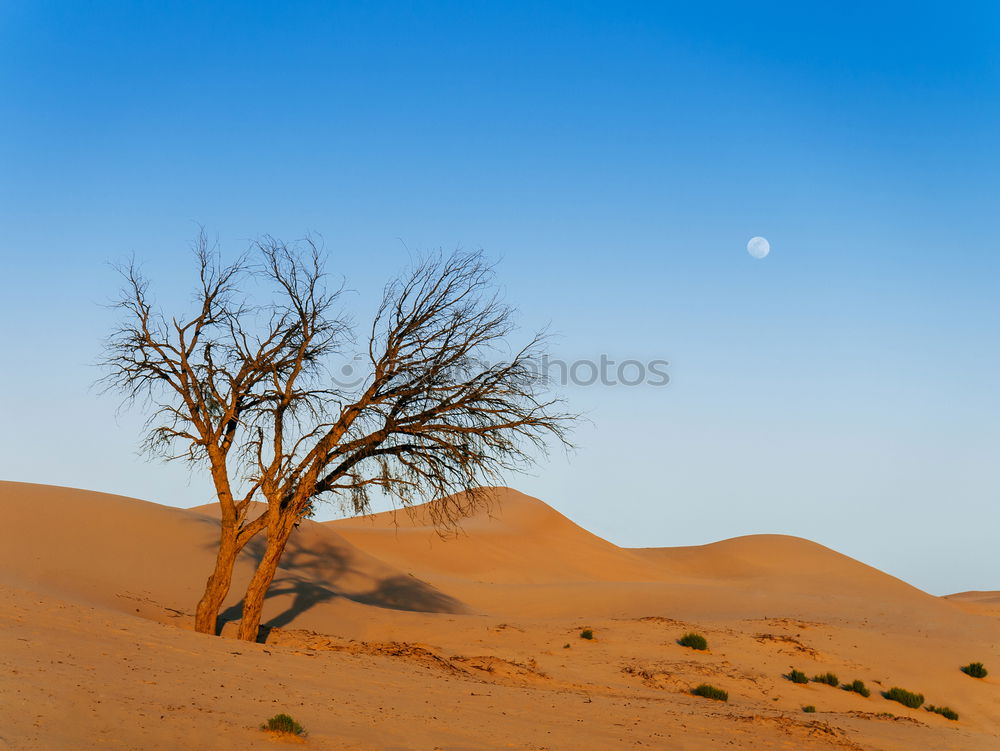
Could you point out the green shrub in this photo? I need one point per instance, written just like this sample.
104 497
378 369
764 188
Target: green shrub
710 692
809 708
904 697
976 670
830 679
948 712
694 641
587 633
282 723
857 687
797 676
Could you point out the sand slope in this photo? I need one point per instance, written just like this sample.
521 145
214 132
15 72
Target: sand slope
135 556
985 603
386 636
523 556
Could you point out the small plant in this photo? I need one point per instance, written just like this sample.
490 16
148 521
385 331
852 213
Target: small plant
857 687
830 679
587 633
948 712
976 670
566 645
797 676
809 708
693 641
710 692
283 724
904 697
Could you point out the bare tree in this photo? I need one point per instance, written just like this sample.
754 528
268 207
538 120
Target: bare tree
244 389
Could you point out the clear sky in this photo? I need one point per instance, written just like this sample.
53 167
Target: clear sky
616 157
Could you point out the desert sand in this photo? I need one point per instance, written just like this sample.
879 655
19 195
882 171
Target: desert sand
385 635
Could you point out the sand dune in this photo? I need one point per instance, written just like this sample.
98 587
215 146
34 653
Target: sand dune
980 602
519 539
528 558
135 556
510 559
984 597
385 635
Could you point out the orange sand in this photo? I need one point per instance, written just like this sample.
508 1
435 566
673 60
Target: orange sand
386 636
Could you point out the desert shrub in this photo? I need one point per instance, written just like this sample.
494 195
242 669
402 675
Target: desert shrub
809 708
857 687
904 697
710 692
797 676
587 633
566 645
830 679
948 712
282 723
694 641
976 670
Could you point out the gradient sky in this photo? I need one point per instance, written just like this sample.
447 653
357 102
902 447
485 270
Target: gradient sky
616 158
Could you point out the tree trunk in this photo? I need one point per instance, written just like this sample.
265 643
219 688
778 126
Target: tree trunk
217 586
253 602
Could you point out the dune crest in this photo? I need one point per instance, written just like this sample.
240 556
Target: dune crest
977 601
524 556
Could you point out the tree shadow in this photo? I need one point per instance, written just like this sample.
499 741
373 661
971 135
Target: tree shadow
315 575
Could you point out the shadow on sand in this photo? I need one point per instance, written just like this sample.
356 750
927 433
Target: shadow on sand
314 575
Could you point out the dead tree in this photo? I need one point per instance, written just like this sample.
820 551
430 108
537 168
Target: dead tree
244 389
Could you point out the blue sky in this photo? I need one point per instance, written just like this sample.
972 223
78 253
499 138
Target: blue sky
616 158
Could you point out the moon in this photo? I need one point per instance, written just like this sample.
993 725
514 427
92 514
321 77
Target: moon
758 247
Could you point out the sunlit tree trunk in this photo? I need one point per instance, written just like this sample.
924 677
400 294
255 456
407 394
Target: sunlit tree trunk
219 582
253 602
